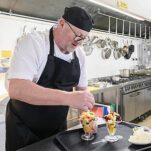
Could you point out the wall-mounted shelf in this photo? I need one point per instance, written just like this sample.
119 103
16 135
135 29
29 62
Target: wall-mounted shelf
123 27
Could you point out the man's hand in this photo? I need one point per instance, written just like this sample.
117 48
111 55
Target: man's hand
83 100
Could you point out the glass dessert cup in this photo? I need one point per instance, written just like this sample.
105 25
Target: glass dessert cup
87 136
112 128
90 128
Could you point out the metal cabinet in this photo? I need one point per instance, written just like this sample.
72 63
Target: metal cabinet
133 105
128 107
139 98
147 99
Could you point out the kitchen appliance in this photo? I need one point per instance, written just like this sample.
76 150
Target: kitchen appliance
135 98
131 95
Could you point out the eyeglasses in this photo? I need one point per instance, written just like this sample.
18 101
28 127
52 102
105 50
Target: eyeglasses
77 38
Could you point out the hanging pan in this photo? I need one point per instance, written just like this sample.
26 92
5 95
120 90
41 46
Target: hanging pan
88 49
106 53
101 43
88 45
116 53
131 48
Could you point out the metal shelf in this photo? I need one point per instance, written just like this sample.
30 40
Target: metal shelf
123 27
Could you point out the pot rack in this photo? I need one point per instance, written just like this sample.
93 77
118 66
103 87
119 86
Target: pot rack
10 13
123 27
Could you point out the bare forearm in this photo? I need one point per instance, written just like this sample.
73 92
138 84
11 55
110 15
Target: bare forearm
32 93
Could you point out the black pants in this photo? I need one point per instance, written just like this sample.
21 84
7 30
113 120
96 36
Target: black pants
19 135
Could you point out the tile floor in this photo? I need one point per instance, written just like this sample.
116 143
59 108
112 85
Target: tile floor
146 122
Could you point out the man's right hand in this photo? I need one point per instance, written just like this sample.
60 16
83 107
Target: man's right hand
83 100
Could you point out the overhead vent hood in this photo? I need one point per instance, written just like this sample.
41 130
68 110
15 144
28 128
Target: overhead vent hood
104 19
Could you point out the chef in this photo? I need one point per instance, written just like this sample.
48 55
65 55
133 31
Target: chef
44 69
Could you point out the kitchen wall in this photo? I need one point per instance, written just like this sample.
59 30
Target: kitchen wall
99 67
11 28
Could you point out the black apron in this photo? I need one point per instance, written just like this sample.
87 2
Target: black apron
26 123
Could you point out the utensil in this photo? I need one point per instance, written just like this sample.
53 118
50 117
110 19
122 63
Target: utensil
127 56
87 46
116 54
106 53
102 140
108 41
122 51
125 50
94 39
101 43
131 48
114 44
129 51
88 49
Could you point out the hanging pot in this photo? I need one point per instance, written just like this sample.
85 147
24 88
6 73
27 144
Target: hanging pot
124 50
114 44
101 43
88 45
130 51
116 54
127 56
106 53
88 49
108 41
94 40
131 48
121 51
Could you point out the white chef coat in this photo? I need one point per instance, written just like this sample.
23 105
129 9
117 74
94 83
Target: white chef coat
30 57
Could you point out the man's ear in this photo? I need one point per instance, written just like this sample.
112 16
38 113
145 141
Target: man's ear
61 22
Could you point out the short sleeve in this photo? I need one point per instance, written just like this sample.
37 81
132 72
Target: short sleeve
26 58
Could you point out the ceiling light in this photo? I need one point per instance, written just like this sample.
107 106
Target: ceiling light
117 10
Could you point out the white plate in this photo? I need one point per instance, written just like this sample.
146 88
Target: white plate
138 143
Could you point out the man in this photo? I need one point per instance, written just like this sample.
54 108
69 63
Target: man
44 69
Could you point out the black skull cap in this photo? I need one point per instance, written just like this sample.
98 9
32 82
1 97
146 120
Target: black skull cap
78 17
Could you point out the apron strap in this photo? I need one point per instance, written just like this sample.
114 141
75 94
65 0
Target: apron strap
51 52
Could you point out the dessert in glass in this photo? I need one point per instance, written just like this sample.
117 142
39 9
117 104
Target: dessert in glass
111 124
89 124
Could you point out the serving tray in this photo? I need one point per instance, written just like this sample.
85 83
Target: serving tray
71 140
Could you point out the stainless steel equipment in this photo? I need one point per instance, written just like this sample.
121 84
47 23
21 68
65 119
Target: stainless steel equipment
125 73
131 95
135 98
